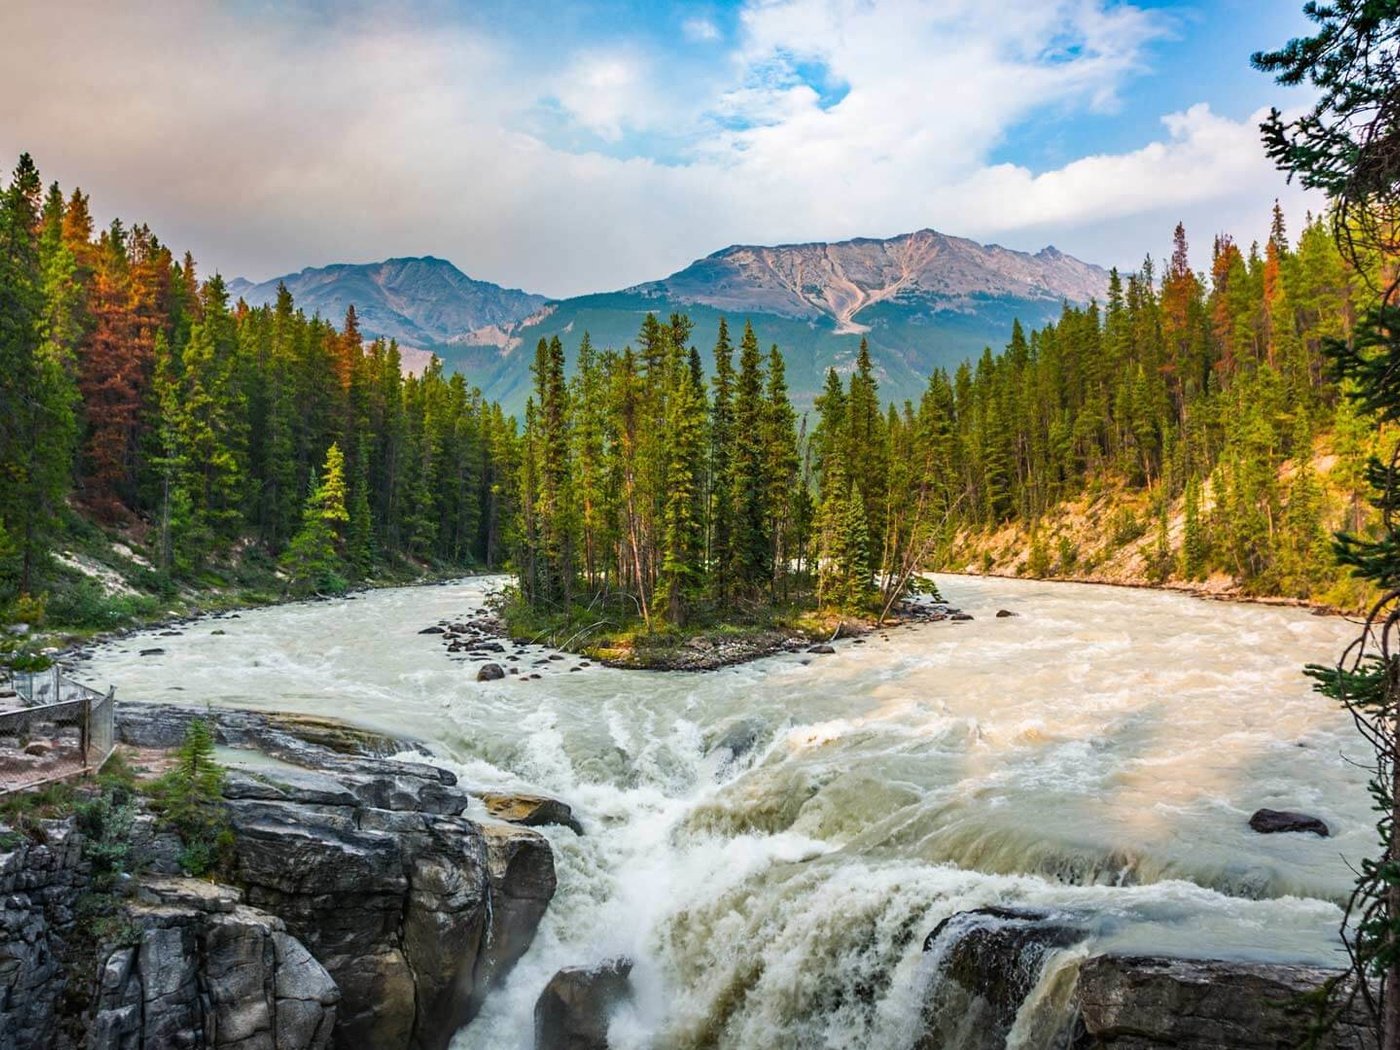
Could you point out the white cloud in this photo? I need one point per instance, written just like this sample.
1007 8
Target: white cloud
700 30
265 146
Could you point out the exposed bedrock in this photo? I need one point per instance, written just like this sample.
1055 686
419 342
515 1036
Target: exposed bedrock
364 910
992 971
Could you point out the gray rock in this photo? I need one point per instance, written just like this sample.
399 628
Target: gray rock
984 963
1273 821
520 865
490 673
1138 1003
531 811
576 1006
822 650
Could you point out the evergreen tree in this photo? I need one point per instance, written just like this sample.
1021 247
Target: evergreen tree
314 560
750 560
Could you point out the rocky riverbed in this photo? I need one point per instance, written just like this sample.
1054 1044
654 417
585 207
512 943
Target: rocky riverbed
480 638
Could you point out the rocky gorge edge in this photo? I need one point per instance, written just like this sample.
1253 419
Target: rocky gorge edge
361 908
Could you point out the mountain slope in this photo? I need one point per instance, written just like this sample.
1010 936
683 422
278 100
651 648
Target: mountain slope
840 281
422 302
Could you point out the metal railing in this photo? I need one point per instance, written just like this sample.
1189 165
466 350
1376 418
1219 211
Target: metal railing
51 728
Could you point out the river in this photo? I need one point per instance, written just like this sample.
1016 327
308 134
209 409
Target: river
1098 754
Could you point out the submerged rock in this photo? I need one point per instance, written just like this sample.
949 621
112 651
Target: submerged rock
576 1006
1139 1003
490 673
737 740
984 963
822 650
1272 821
1004 613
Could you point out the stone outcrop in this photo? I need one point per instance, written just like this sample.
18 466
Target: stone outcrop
413 910
575 1008
983 965
187 964
1137 1003
206 970
365 910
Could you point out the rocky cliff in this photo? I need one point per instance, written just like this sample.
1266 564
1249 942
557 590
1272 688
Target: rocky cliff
362 909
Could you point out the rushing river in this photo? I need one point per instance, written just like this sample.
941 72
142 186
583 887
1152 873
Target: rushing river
1098 754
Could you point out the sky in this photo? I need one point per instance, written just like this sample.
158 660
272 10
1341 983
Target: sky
568 147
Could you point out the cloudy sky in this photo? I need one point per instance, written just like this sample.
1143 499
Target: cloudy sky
578 146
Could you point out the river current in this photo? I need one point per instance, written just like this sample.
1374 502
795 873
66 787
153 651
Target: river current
1098 754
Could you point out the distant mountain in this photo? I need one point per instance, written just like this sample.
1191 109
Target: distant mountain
926 272
924 300
422 302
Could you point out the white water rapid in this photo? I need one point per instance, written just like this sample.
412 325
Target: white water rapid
1099 754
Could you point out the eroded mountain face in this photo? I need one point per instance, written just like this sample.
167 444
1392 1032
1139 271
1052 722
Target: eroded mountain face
841 280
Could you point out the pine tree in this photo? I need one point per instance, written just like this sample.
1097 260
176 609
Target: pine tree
682 556
750 561
36 391
314 560
780 471
721 495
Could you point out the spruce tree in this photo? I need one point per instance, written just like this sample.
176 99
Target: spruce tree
721 497
750 559
313 561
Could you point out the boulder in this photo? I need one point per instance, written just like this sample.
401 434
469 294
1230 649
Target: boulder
821 650
531 811
1141 1003
573 1011
490 673
1272 821
1004 613
520 866
432 630
393 903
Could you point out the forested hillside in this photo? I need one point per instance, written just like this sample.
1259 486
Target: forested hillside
1186 430
220 443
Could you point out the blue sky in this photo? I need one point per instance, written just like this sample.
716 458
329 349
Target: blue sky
568 147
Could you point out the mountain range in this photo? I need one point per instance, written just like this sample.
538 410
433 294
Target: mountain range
923 300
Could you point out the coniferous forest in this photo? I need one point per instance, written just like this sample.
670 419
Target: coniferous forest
224 443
